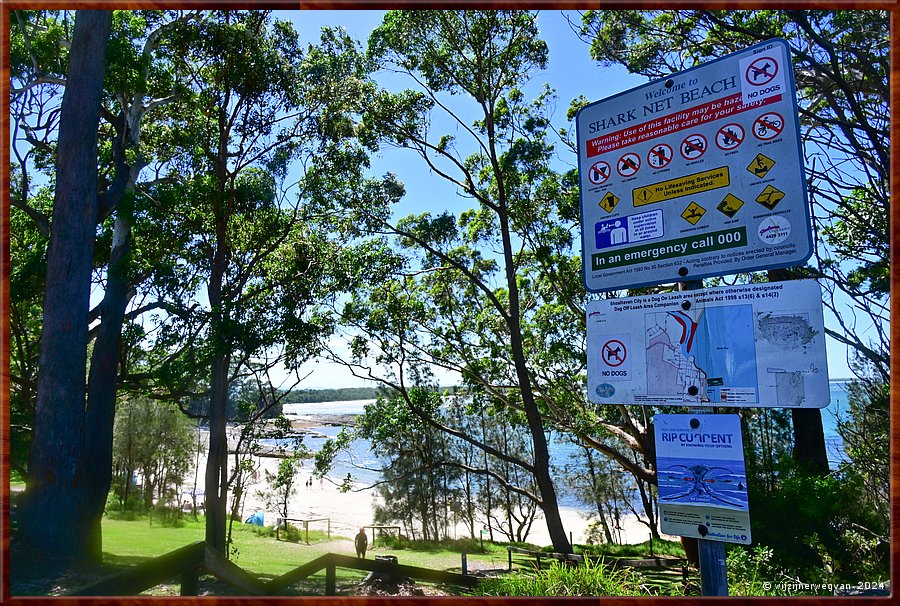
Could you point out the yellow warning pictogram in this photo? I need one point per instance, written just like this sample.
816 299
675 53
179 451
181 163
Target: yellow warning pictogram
730 205
608 202
761 165
687 185
693 213
644 195
770 197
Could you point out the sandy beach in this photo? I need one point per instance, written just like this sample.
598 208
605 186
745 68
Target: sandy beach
349 511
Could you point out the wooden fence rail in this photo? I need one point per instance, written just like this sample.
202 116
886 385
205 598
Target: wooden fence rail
579 559
187 563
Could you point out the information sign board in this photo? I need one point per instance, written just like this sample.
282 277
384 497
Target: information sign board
703 170
702 478
754 345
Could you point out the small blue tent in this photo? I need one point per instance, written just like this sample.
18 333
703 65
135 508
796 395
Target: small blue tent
256 518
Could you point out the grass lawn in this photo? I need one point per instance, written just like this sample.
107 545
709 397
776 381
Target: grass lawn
127 543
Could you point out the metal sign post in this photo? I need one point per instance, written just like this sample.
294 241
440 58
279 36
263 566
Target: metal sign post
713 570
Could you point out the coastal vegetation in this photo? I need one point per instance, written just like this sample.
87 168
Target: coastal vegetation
194 217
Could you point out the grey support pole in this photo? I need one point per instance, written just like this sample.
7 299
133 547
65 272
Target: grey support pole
713 570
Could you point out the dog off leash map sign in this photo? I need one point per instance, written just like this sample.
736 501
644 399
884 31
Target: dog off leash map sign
697 175
744 346
702 478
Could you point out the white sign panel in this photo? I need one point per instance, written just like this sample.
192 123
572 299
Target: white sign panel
700 174
702 478
755 345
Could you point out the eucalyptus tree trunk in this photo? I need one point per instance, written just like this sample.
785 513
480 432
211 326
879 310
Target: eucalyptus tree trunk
54 516
102 380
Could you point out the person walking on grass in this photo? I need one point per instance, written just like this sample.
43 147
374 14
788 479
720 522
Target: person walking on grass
362 543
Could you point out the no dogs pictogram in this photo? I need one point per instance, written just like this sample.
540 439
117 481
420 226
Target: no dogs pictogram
761 71
599 173
614 352
628 164
768 126
730 136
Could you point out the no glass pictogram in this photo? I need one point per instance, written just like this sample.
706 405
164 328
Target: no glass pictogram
614 353
768 126
599 173
659 155
761 71
628 164
730 136
693 147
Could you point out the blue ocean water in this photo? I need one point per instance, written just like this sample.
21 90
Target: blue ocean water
362 464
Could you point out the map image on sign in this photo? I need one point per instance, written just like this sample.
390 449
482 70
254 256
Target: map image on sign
752 345
715 153
713 350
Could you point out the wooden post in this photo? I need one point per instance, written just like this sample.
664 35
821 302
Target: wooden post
509 554
329 529
465 568
306 528
190 581
330 579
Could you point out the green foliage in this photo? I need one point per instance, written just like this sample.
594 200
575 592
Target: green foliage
865 432
303 396
593 578
281 484
753 572
660 547
819 528
156 438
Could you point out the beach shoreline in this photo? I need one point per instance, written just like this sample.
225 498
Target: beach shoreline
347 512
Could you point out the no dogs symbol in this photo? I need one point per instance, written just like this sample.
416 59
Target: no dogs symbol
614 353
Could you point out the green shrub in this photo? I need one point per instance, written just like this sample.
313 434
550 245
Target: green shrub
661 547
465 545
593 578
171 517
753 572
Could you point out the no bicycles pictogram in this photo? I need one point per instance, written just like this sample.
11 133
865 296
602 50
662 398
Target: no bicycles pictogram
761 71
768 126
614 352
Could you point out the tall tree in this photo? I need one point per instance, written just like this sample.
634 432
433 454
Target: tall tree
485 58
260 105
53 508
136 84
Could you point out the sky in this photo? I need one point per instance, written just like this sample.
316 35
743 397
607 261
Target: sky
570 72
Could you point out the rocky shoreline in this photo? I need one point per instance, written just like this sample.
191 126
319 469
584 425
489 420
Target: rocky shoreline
300 426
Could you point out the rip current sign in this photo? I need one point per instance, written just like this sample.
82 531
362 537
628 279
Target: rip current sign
723 137
702 477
